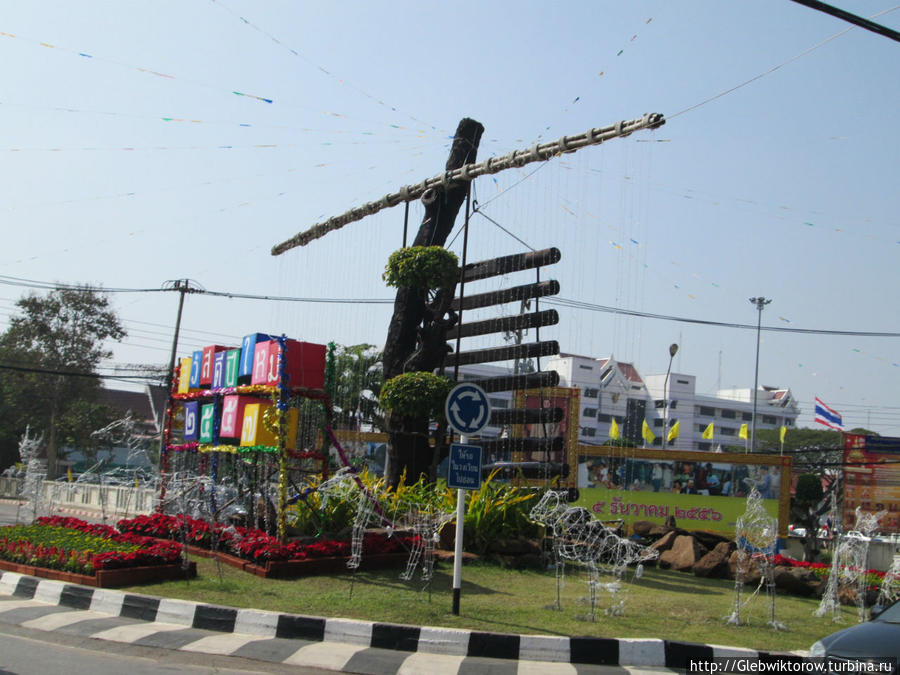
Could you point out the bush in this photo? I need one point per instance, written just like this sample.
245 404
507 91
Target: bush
426 267
418 394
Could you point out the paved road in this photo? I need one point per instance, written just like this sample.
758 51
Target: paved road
29 651
41 638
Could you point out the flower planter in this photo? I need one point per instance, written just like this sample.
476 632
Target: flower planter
115 578
288 569
292 569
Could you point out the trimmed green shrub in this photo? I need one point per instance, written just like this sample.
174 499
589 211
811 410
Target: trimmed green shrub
426 267
417 394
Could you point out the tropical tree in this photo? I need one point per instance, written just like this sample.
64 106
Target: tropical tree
49 357
416 335
358 380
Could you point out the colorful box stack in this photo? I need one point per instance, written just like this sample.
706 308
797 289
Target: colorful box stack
257 362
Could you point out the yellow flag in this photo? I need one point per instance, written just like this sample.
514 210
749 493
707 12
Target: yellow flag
614 430
708 432
673 432
782 433
647 434
69 474
744 432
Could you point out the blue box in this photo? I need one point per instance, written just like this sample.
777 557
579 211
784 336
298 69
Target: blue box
196 360
248 348
218 378
191 420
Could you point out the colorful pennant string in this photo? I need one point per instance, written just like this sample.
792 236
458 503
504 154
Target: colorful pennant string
139 69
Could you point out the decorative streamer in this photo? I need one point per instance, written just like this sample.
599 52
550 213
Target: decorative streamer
318 67
121 64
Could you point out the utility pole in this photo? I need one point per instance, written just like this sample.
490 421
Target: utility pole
183 286
760 303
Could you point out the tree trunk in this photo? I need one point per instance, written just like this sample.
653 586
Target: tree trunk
408 438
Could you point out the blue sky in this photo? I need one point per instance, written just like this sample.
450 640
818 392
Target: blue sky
129 160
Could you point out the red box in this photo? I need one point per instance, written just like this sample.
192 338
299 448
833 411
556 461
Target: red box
304 364
206 365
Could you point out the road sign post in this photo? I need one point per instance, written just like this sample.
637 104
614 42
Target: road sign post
468 411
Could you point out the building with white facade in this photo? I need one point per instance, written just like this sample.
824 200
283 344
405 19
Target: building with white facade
614 390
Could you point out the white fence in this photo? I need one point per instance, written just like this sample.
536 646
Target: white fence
115 501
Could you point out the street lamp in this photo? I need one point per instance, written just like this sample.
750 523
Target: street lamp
760 303
673 349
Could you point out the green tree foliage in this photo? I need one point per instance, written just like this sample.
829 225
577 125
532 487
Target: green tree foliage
416 395
425 267
813 450
64 332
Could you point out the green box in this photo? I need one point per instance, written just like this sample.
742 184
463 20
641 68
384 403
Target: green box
232 367
207 415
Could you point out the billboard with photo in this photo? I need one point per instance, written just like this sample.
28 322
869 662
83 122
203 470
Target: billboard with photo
872 479
700 490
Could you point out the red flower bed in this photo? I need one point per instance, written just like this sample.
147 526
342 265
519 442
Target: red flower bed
822 570
252 544
77 546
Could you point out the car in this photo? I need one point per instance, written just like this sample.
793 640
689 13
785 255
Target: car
870 641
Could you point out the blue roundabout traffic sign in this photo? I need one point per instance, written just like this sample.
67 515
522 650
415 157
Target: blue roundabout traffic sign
467 408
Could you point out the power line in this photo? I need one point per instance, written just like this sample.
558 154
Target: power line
851 18
578 304
773 68
562 302
70 373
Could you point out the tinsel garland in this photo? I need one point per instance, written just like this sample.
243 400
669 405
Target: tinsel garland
281 418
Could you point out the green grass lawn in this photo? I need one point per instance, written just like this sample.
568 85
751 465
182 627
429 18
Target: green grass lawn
661 604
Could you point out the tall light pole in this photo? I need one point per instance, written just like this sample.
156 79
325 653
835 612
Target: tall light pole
760 303
673 349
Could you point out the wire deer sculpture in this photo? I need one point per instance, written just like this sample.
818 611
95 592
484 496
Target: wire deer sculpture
581 538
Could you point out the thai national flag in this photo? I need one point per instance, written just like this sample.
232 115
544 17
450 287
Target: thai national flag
828 417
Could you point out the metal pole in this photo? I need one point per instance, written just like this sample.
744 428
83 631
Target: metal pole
760 303
460 493
405 223
458 544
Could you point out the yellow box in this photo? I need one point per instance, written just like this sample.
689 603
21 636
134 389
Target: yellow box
184 376
254 432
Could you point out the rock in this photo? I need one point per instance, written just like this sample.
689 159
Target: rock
642 527
795 580
517 546
751 575
685 552
709 539
715 563
659 531
665 542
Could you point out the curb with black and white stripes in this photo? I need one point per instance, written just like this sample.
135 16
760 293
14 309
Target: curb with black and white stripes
414 639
